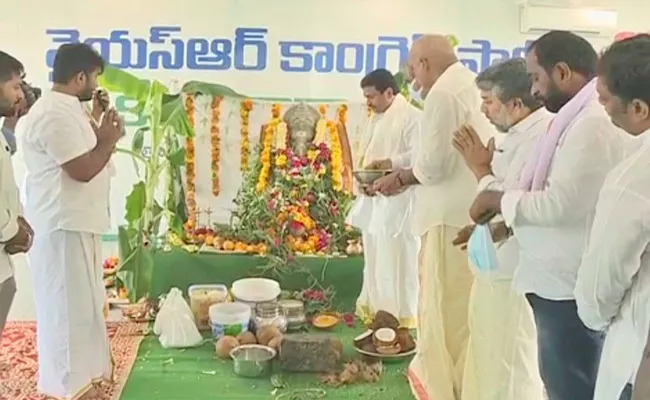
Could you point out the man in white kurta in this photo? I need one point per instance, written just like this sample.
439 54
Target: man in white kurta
502 352
66 193
390 281
613 287
444 188
15 232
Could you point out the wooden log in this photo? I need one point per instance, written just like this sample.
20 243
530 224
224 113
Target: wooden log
303 352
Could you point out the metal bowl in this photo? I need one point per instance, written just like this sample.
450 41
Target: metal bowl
369 176
253 360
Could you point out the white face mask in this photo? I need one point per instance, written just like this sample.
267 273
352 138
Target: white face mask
415 94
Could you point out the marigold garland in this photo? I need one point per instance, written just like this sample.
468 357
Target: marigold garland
342 114
267 148
190 160
337 156
215 141
245 108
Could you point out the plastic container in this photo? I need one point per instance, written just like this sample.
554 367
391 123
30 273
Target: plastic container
229 319
255 290
202 297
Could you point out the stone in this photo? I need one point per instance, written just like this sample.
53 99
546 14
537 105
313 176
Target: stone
304 352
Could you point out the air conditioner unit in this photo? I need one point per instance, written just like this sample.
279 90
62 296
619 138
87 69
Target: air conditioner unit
542 18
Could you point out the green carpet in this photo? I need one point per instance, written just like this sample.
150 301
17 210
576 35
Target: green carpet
196 374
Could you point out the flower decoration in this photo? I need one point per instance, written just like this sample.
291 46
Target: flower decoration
245 108
215 141
190 159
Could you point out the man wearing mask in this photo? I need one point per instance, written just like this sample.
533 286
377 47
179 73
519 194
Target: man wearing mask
551 209
613 287
15 233
67 192
444 186
502 352
390 248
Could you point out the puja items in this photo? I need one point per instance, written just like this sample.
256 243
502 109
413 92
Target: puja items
303 352
270 313
385 337
229 319
202 297
294 311
255 290
253 360
325 321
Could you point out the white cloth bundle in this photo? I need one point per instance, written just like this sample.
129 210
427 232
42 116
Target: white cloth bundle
175 324
383 215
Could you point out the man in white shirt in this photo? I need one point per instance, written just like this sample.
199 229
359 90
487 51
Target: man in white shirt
613 287
502 352
552 209
66 193
15 232
444 187
390 280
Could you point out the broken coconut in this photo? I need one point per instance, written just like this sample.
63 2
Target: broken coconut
394 349
362 340
384 319
405 340
384 337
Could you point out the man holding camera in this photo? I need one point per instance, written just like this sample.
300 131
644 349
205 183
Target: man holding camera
15 233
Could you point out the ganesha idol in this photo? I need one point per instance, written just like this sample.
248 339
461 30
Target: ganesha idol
302 126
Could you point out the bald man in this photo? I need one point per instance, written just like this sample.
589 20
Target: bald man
445 190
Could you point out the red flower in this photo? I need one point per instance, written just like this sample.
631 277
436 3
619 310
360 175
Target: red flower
349 320
276 242
311 198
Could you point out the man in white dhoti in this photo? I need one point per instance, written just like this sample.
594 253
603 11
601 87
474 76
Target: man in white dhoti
66 193
444 187
502 352
15 232
613 286
390 248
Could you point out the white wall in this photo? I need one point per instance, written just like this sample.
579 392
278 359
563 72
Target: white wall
23 25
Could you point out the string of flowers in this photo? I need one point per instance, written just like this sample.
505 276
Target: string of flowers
245 108
267 148
190 160
337 156
215 141
369 111
342 114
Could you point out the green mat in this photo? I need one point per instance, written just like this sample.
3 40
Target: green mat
196 374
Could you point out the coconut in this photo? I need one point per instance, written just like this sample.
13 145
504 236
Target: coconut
384 319
363 339
275 343
225 345
246 338
384 337
389 349
266 333
405 340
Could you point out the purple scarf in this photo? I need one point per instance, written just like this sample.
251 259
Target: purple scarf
533 177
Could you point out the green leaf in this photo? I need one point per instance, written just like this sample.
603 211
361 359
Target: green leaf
119 81
177 158
138 139
210 89
174 115
135 203
453 40
136 267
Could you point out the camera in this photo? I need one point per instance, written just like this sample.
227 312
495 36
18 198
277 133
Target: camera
31 93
